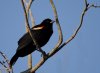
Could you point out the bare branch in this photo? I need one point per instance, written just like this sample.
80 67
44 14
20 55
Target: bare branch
32 18
57 22
59 44
28 5
59 29
29 30
59 41
41 62
85 3
28 27
5 63
5 57
30 12
93 6
87 7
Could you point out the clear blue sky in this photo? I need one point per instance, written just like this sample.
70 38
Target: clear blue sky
81 55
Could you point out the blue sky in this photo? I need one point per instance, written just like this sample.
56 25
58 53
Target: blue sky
81 55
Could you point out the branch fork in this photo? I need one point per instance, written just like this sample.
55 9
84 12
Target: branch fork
59 45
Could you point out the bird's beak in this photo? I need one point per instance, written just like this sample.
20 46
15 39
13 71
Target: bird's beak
52 21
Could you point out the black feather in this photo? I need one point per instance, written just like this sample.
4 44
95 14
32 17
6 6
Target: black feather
41 33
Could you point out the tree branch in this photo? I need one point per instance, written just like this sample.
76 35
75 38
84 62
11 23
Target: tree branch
56 49
26 10
93 6
29 30
59 29
5 57
28 5
6 68
60 45
5 63
59 41
30 12
87 7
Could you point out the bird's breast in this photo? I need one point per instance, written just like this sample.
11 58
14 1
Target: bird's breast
42 36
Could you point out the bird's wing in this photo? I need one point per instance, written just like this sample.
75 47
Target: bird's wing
37 27
24 40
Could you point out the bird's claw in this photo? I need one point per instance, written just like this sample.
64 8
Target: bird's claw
44 55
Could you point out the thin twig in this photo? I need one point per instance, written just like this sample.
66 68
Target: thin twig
7 61
3 65
59 29
27 9
55 50
30 12
59 41
87 7
29 30
28 5
32 18
5 57
41 62
93 6
86 3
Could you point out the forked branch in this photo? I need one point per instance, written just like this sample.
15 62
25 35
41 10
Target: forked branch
60 45
29 30
5 63
56 49
28 11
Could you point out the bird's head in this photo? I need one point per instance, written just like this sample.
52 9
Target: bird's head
47 22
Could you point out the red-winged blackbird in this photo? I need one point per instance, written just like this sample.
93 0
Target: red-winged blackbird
41 33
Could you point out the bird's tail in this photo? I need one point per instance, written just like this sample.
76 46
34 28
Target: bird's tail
13 60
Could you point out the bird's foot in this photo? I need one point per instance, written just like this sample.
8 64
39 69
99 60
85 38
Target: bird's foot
45 56
43 53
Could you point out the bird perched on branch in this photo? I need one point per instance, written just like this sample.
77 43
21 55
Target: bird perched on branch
26 46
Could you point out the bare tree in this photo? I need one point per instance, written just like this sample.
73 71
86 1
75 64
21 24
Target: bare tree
60 44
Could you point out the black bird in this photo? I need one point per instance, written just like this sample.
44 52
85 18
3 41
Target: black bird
41 33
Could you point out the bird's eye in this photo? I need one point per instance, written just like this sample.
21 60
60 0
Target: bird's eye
48 21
